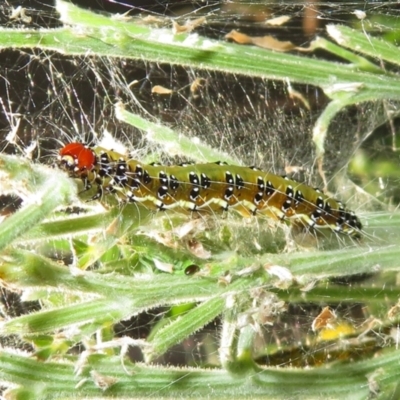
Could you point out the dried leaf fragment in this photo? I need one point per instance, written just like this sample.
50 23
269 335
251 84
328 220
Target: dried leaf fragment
282 273
163 266
296 95
197 249
194 225
158 89
188 26
151 19
267 42
102 381
19 13
394 311
325 317
125 17
238 37
278 21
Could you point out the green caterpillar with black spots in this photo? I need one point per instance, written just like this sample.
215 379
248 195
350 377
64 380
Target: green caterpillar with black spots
206 187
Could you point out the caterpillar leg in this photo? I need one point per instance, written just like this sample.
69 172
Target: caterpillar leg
99 194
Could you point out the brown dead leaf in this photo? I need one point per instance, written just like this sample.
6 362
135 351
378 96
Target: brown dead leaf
324 319
188 26
269 42
238 37
176 28
161 90
266 42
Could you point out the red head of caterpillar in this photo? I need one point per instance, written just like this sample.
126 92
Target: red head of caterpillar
207 187
77 156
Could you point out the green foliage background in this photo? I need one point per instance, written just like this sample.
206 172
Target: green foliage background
108 275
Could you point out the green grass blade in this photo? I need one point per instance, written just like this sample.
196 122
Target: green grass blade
42 189
359 41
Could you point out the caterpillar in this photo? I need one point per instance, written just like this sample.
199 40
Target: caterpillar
204 187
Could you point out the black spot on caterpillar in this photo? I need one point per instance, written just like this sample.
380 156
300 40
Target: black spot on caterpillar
207 187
